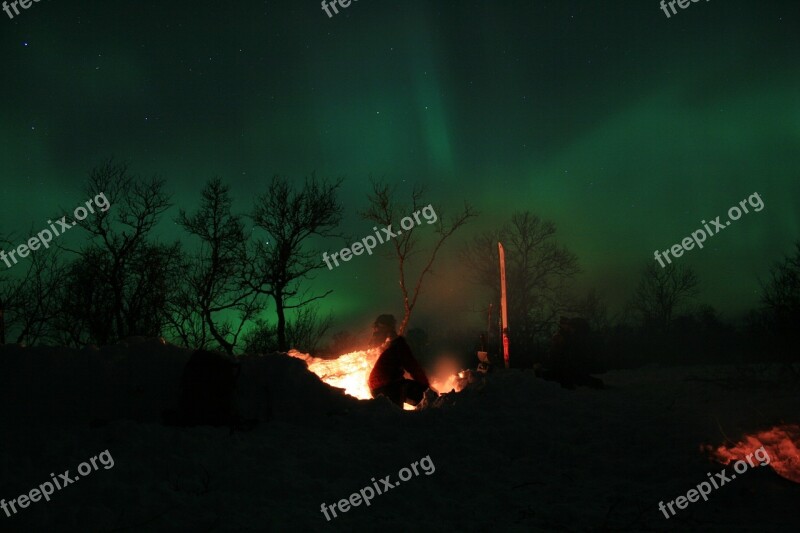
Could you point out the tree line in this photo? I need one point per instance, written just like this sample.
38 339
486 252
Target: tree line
235 269
123 281
661 319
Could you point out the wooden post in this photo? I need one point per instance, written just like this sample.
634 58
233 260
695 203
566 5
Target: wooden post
503 302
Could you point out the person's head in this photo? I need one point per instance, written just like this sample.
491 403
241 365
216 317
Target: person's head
384 327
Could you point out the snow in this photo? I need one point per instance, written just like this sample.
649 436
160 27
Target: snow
511 452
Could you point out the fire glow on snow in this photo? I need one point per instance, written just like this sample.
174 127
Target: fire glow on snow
350 372
782 443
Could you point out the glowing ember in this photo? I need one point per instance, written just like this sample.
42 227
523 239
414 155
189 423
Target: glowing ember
780 442
446 375
448 382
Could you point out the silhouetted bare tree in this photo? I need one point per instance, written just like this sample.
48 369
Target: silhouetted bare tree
538 270
4 290
285 258
303 332
152 275
29 302
132 274
781 294
594 309
384 210
216 281
661 294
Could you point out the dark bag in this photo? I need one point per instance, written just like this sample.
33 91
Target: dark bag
207 391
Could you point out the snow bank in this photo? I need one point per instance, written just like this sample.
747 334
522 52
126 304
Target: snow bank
512 452
135 379
139 378
283 386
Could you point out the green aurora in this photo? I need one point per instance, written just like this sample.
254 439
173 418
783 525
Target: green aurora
624 127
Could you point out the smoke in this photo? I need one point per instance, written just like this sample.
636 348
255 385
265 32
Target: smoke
444 376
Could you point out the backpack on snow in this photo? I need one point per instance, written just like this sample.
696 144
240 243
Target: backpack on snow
207 392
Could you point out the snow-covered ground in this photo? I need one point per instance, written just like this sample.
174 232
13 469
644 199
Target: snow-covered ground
511 454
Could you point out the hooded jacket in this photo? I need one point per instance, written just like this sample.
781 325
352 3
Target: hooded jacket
392 362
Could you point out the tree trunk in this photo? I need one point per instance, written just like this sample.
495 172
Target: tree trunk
119 320
404 324
224 344
281 321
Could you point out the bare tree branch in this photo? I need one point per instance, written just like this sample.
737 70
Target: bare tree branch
538 268
382 208
217 273
661 293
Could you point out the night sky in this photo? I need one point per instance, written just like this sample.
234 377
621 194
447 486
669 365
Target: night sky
623 126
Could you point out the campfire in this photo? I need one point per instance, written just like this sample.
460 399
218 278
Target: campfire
782 443
348 371
351 370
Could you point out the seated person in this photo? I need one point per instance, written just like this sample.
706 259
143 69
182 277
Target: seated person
387 376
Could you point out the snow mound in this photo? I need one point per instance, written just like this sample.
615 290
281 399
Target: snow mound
138 379
135 379
283 386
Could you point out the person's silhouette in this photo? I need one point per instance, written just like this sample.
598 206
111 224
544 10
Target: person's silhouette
387 376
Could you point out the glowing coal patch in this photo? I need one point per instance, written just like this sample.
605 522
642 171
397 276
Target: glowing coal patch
782 443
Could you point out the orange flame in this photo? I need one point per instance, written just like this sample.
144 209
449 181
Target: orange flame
781 443
350 372
447 375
